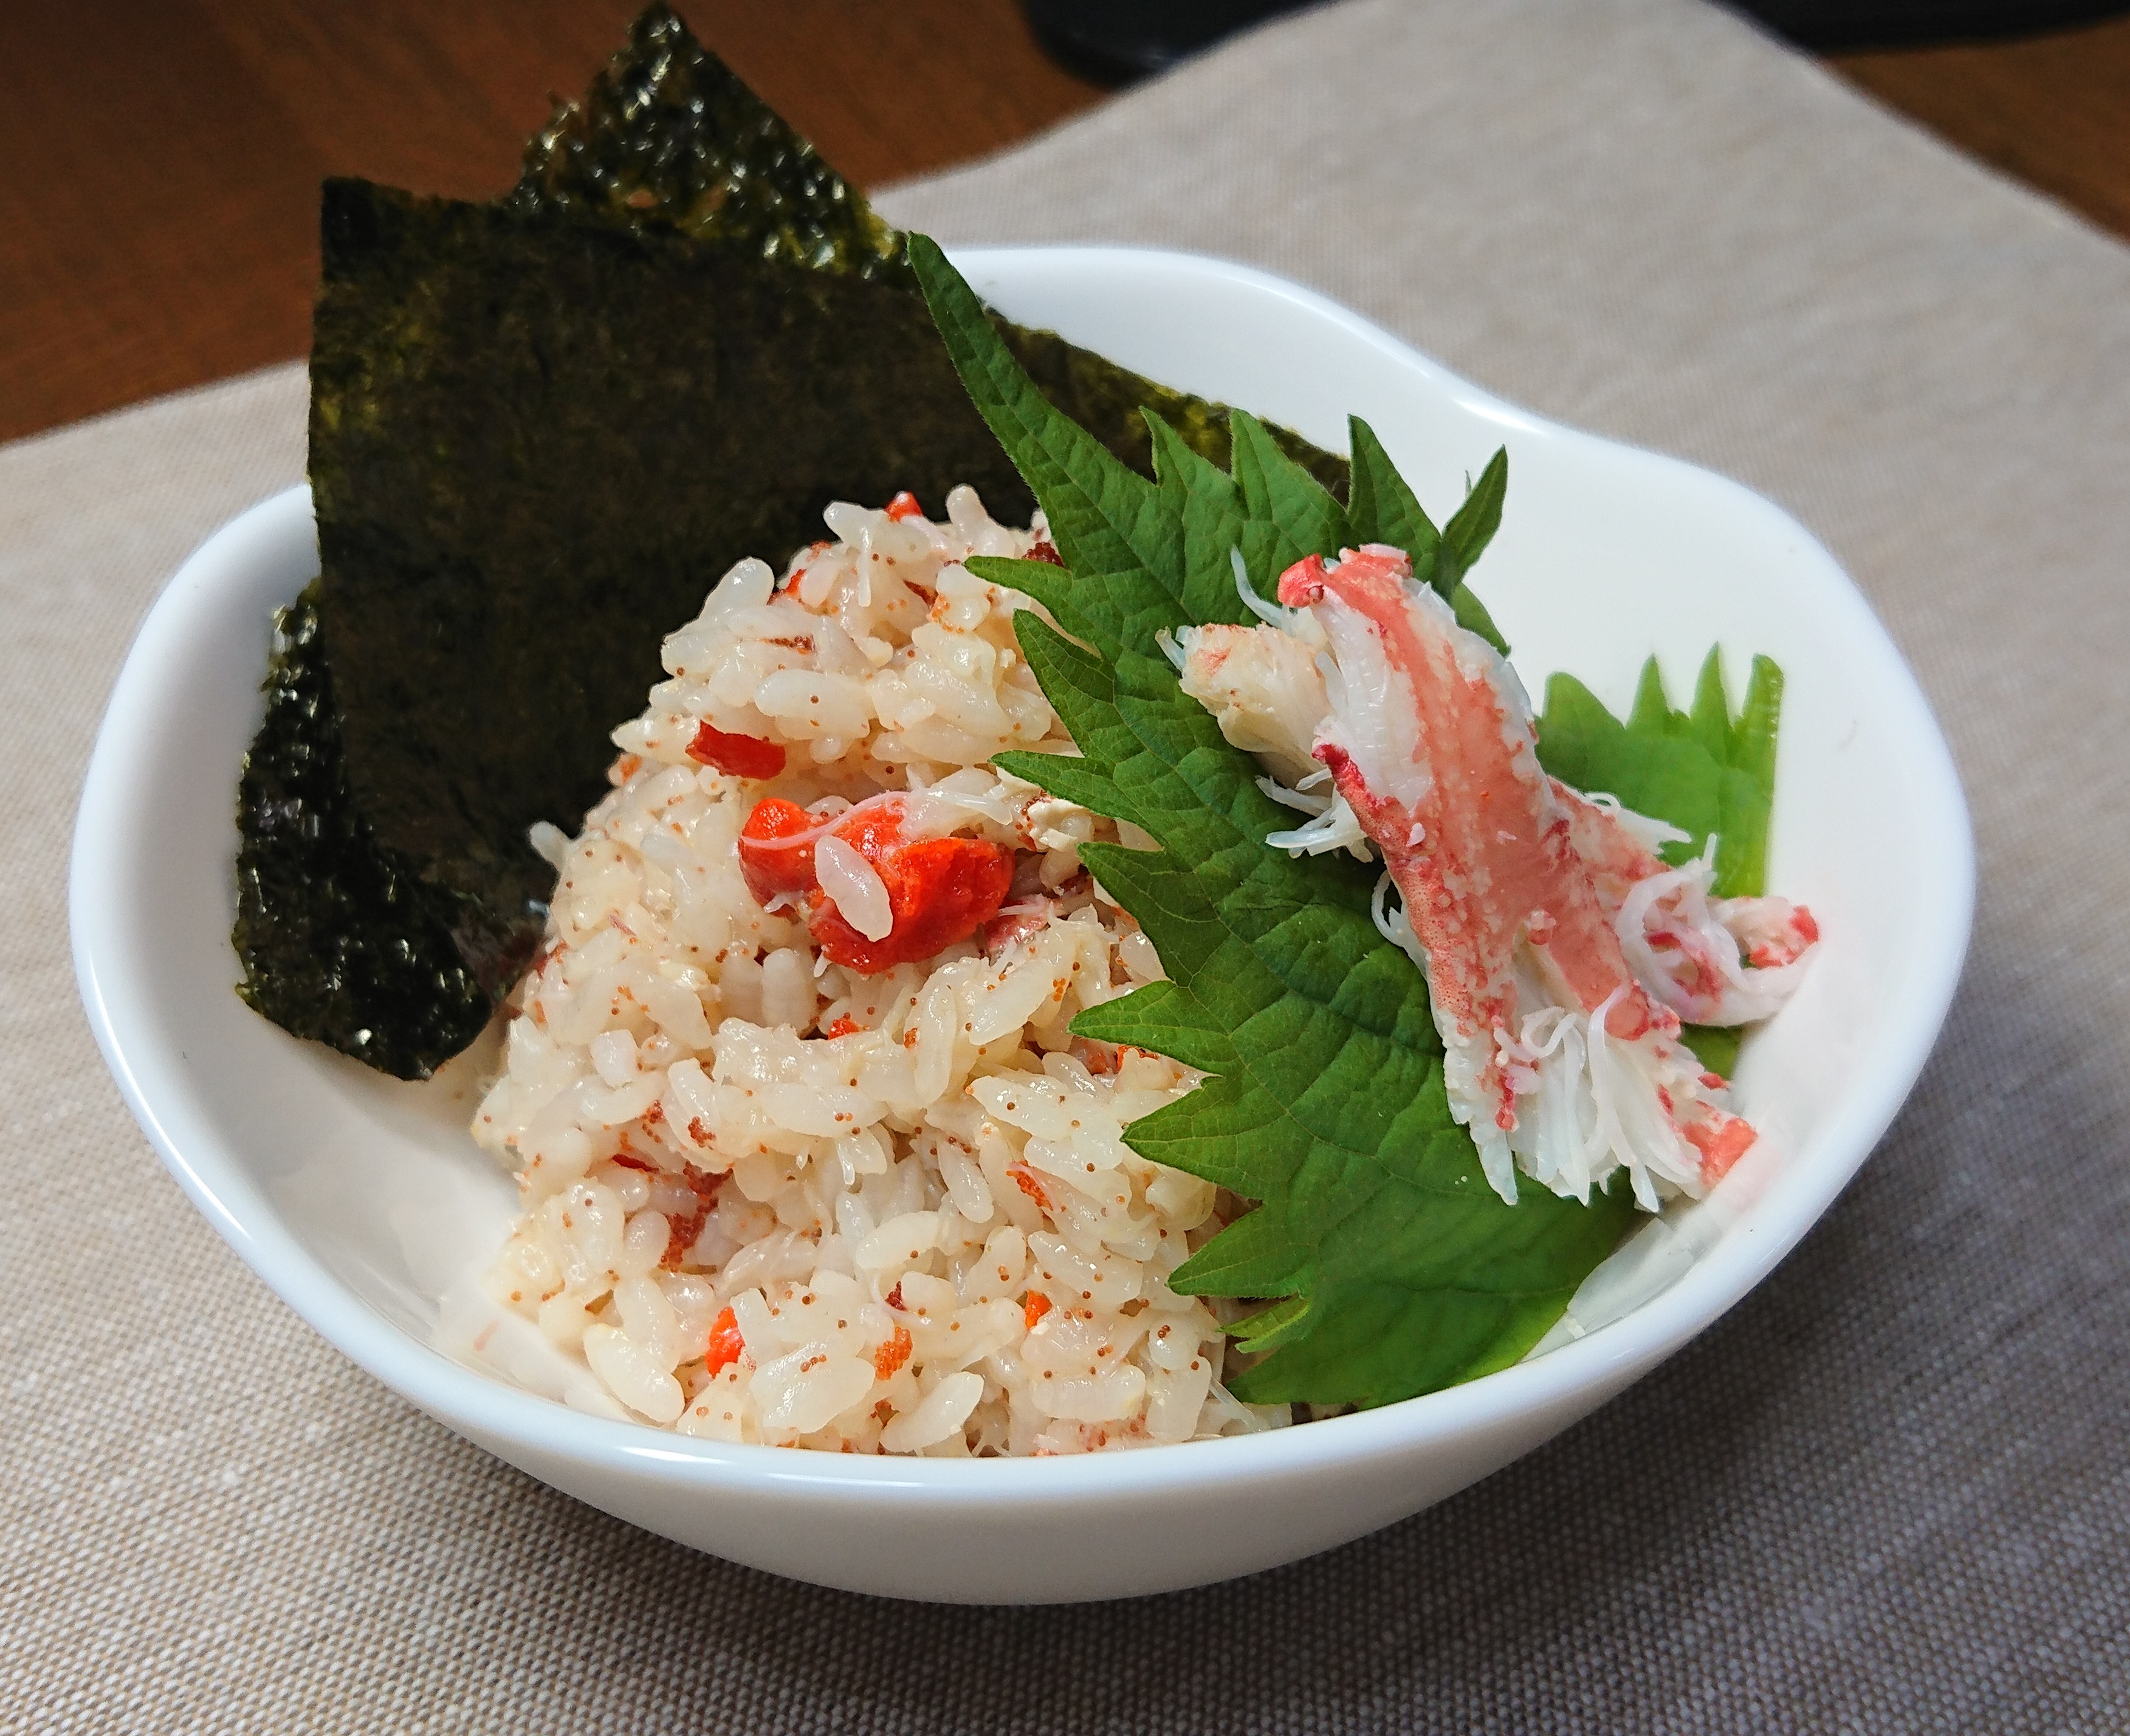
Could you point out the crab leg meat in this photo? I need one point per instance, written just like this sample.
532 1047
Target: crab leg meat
1431 741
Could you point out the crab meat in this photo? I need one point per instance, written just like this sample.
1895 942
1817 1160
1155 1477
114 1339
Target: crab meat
1429 740
1682 945
1263 688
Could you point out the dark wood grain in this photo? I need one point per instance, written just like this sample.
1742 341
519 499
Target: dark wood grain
2053 111
158 217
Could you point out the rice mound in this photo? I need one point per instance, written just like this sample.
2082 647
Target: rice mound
768 1199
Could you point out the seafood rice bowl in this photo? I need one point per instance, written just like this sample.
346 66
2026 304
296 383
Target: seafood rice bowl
809 1153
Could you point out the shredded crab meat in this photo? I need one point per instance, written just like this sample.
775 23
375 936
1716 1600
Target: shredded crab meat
1689 949
1562 952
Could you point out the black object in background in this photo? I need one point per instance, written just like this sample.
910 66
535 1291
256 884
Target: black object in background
1115 41
1832 25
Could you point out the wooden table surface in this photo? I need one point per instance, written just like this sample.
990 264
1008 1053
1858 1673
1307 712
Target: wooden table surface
158 219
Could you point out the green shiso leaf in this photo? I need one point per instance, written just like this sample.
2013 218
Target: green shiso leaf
540 433
1473 525
1382 509
1396 1269
1715 1047
1704 770
1287 513
1107 399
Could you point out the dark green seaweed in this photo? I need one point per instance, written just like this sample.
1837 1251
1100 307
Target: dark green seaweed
342 939
669 136
535 447
540 430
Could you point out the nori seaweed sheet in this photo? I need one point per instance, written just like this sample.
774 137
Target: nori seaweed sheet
338 934
540 430
536 445
670 136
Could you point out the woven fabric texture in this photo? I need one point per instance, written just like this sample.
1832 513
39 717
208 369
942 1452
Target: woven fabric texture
1890 1491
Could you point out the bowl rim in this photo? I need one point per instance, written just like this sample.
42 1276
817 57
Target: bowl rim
486 1409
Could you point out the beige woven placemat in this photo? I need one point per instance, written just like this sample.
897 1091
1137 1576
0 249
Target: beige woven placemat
1891 1491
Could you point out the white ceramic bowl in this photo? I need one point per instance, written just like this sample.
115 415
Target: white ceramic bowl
359 1198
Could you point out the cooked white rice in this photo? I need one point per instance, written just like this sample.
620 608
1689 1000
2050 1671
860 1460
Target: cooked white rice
928 1232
